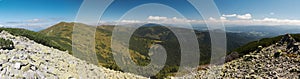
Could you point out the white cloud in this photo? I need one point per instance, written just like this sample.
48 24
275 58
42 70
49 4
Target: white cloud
27 25
28 21
211 18
130 21
275 21
246 16
242 20
223 18
157 18
230 15
264 21
34 20
35 23
270 19
166 20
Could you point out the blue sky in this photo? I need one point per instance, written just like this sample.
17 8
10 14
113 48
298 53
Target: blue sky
37 14
40 14
285 9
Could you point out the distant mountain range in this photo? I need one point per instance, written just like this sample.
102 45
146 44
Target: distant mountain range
265 31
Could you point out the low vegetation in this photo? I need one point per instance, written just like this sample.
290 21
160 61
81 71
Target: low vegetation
252 46
6 44
51 41
59 36
141 42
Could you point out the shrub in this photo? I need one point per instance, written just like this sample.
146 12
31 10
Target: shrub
6 44
39 38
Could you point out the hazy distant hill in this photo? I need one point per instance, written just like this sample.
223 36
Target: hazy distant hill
259 30
143 38
64 31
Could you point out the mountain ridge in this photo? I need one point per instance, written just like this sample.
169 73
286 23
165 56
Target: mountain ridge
60 35
142 39
274 61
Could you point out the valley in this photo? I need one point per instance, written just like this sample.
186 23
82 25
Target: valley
141 41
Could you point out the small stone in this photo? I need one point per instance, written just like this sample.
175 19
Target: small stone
40 74
24 62
34 58
277 54
33 68
25 68
17 65
293 70
3 58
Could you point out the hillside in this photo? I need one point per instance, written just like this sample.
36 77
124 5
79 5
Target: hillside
252 46
65 31
51 41
32 60
275 61
141 41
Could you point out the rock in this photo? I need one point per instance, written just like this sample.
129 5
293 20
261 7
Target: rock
34 58
66 76
250 57
231 56
17 65
24 62
25 68
31 60
294 70
3 58
272 62
277 54
33 68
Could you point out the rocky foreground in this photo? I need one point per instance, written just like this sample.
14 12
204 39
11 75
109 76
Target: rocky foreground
275 61
31 60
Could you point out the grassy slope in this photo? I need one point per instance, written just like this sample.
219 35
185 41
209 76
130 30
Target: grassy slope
252 46
103 34
141 41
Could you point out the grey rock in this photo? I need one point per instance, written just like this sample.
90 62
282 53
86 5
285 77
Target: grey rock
31 60
268 63
17 65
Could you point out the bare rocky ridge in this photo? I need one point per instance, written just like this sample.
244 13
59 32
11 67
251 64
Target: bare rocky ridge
279 60
31 60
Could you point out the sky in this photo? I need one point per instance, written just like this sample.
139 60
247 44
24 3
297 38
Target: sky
40 14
